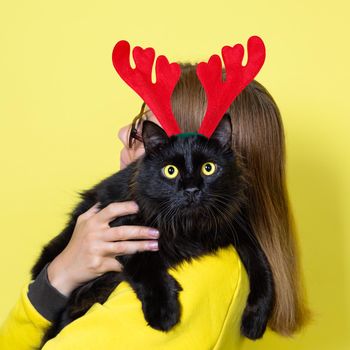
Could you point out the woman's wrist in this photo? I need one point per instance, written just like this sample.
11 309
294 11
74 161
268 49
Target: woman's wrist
59 278
46 299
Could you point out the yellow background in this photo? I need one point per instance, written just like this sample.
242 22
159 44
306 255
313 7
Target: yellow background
62 103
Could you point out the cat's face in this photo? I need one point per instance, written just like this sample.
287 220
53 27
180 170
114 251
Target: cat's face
188 177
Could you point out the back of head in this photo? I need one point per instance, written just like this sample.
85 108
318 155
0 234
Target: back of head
258 140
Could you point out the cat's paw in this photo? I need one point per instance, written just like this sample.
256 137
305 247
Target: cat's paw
161 305
254 322
162 314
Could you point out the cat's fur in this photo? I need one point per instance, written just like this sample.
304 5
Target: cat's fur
188 228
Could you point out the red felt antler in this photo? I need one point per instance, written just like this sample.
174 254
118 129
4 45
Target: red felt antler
156 95
220 94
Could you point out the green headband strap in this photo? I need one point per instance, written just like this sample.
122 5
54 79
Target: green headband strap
186 134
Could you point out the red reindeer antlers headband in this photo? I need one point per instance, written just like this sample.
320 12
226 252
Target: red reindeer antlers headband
220 94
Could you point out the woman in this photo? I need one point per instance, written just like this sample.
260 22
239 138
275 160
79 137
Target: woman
215 287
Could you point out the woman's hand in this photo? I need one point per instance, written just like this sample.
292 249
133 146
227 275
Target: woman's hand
94 245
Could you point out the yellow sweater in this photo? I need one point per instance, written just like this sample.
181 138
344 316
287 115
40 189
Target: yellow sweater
215 290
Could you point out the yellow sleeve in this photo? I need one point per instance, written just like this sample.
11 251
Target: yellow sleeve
215 290
24 327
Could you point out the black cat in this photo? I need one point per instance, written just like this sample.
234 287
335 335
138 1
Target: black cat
192 189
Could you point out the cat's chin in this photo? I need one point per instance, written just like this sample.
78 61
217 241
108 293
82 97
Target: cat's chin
193 209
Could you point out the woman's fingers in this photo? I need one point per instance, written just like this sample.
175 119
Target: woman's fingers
128 247
114 210
90 212
126 232
111 264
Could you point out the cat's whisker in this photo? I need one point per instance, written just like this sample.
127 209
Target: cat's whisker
236 218
215 222
228 221
242 225
225 214
168 217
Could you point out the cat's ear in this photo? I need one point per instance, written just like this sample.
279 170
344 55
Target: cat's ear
153 135
223 132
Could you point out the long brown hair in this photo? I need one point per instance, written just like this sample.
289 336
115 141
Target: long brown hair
258 139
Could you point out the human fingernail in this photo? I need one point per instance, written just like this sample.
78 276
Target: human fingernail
136 207
153 245
153 232
95 207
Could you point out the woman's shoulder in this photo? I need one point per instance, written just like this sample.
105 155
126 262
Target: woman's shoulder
222 267
221 270
215 288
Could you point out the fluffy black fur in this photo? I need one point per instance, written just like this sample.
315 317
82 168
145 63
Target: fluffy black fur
195 214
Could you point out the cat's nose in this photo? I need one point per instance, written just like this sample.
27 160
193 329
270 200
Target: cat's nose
192 189
191 192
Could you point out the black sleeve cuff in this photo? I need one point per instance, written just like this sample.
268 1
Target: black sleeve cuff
46 299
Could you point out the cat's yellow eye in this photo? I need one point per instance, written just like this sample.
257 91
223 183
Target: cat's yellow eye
170 171
208 168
